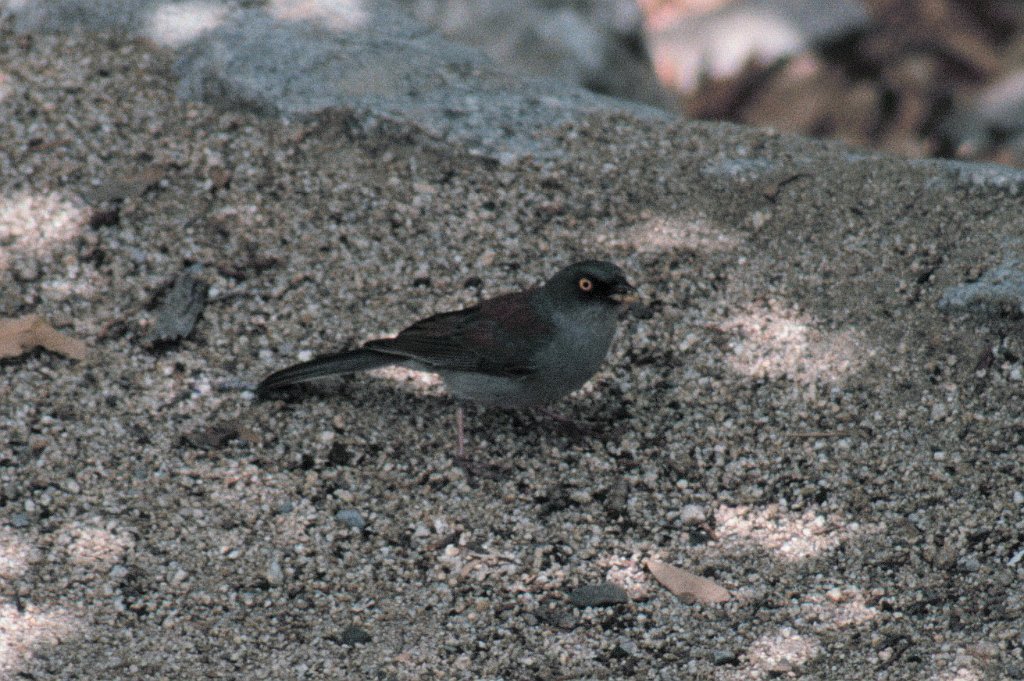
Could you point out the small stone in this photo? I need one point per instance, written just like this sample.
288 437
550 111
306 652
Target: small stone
561 618
692 514
26 270
353 635
275 575
19 520
219 177
351 517
946 557
180 310
626 647
617 499
1018 497
212 436
581 497
339 455
597 595
720 658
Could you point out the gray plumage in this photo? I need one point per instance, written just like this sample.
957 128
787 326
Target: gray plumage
516 350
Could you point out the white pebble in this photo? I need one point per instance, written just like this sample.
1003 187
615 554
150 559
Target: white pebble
692 514
275 575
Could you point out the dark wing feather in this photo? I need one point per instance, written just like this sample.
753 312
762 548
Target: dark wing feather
499 336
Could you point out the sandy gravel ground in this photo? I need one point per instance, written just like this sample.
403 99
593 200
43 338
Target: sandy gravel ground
790 416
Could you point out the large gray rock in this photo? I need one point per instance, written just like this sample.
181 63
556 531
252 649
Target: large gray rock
298 58
597 44
998 288
167 22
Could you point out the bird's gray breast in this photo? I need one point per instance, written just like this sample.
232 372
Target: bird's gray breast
574 353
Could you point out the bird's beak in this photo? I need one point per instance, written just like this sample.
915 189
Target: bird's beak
624 293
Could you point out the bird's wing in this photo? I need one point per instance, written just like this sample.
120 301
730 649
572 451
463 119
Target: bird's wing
499 336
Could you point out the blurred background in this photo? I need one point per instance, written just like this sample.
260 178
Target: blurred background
911 77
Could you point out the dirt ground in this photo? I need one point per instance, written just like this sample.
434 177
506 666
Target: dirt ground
789 414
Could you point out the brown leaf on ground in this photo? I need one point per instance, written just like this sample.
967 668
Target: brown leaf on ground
24 334
685 584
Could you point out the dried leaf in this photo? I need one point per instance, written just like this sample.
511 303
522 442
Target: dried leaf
24 334
686 584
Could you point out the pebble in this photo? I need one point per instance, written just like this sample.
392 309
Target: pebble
354 635
26 270
617 500
19 520
626 647
692 514
275 575
720 658
561 618
596 595
351 517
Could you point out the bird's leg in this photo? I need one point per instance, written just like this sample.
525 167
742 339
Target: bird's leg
470 464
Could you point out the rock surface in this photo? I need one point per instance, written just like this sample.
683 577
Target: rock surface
597 44
298 58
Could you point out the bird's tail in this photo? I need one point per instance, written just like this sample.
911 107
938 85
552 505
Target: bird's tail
347 362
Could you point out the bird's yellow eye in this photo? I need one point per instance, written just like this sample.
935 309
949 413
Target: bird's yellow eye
585 285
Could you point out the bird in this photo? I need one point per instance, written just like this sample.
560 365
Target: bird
517 350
